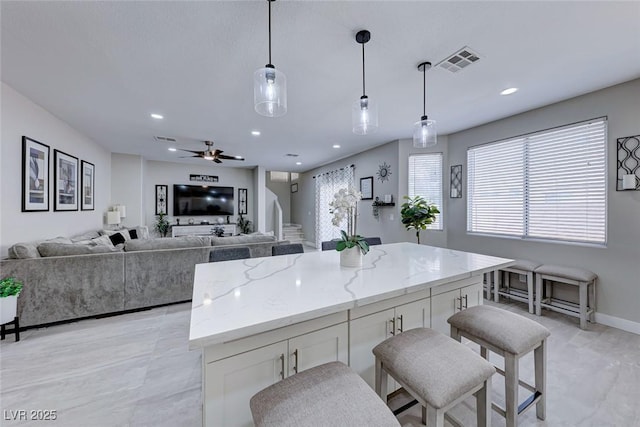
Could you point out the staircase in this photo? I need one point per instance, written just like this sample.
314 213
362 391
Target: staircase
293 233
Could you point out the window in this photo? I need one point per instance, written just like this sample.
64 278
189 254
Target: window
425 179
547 185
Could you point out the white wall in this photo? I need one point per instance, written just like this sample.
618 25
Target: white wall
283 191
127 183
617 265
20 116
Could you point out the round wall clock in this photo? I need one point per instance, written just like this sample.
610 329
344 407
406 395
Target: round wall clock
384 171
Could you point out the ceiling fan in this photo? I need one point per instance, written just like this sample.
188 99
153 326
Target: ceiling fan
212 154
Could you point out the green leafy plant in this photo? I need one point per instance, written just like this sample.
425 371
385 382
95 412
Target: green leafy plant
417 213
352 242
218 231
9 287
162 224
244 225
345 208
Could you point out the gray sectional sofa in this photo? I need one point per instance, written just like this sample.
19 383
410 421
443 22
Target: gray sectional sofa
143 273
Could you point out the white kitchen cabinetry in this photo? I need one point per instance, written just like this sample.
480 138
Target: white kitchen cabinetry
445 303
230 382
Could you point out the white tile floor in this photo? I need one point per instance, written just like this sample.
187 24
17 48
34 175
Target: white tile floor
136 370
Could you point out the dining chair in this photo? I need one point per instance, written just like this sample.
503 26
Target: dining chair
228 254
292 248
371 241
329 245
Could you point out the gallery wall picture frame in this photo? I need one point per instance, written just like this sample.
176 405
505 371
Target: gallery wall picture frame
161 199
35 175
65 181
628 164
366 188
455 187
242 201
294 187
88 185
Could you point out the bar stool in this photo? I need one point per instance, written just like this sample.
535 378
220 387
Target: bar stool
580 277
437 371
524 267
510 336
327 395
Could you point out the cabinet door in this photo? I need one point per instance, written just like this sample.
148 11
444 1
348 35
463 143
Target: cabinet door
230 383
315 348
365 333
444 306
473 295
416 314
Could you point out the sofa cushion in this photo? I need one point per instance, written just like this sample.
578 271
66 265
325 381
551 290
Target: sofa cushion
102 241
48 249
239 240
123 231
117 238
84 237
30 249
167 243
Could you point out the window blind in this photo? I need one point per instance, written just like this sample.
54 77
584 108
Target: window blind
425 179
547 185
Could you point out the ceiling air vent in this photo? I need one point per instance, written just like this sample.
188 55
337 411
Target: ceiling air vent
291 155
164 139
459 60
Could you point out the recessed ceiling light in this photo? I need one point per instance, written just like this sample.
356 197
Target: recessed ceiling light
509 91
172 149
255 132
336 146
298 163
157 116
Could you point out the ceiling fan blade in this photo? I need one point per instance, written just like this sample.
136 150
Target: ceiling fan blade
225 157
190 151
189 157
217 160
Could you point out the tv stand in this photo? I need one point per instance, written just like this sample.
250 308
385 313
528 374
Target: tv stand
201 230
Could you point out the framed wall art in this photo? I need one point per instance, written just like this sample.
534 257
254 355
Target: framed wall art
242 201
35 175
66 181
294 187
161 199
628 163
366 188
455 187
88 183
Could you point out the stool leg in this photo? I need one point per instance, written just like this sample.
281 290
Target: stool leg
497 274
434 417
540 361
483 404
511 388
530 290
592 319
16 322
583 305
381 380
455 334
538 294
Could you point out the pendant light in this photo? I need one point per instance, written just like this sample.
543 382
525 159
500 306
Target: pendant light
364 114
424 131
270 86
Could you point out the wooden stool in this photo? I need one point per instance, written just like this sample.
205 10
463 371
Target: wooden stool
525 268
327 395
511 336
437 371
572 276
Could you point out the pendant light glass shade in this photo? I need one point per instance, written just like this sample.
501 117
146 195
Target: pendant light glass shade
364 116
425 133
270 92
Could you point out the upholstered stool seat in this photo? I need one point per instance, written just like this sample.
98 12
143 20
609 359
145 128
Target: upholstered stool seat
327 395
580 277
524 267
436 370
511 336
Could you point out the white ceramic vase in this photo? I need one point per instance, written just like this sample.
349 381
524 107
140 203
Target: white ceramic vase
351 257
8 309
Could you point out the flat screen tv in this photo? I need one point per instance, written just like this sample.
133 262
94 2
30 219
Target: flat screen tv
201 200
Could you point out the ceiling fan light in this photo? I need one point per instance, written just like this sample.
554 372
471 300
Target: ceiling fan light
364 116
425 133
270 92
208 157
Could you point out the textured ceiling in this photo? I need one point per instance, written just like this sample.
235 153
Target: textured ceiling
103 67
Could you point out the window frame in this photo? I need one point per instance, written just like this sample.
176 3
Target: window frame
441 207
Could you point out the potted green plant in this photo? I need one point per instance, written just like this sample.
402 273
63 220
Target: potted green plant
162 224
10 289
351 245
244 225
417 213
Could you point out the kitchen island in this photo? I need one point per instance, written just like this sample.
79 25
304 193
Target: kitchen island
262 319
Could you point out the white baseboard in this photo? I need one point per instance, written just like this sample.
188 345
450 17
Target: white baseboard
616 322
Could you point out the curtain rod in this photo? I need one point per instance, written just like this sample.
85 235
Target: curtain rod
326 173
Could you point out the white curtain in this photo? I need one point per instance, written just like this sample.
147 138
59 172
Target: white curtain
328 184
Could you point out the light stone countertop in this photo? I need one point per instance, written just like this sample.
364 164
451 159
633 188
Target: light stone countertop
236 299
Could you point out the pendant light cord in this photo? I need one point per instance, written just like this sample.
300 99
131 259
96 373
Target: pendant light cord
363 91
424 91
269 1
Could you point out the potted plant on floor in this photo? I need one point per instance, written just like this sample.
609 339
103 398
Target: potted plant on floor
244 225
351 245
162 225
417 213
9 291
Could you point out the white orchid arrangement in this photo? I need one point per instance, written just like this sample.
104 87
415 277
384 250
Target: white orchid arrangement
345 207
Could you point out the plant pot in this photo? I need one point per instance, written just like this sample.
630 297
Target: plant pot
8 309
351 257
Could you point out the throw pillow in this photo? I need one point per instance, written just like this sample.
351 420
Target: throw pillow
102 241
124 232
117 238
133 233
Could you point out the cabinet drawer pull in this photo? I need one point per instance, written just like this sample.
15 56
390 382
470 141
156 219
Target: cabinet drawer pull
401 327
295 361
393 326
466 302
282 366
458 304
